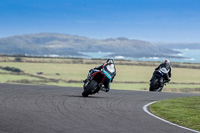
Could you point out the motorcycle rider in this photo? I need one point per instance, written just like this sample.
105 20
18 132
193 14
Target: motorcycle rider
109 67
165 64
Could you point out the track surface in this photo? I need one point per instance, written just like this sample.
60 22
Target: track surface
52 109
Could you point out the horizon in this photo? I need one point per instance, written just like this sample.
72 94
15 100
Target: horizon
171 21
101 38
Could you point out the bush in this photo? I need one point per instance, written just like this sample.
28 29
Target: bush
18 59
13 69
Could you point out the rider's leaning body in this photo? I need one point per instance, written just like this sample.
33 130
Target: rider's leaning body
109 70
166 64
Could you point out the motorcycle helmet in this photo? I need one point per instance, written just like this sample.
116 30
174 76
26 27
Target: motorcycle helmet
167 61
110 61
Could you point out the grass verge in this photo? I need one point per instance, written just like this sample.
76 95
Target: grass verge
130 75
182 111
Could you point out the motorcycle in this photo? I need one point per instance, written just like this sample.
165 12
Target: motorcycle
158 81
94 83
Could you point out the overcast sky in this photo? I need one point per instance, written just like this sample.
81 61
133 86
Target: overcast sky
149 20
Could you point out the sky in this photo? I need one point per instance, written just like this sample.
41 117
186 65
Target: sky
149 20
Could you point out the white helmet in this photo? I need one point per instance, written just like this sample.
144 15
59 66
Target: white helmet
167 61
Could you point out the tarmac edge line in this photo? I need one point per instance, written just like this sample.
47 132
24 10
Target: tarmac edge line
145 108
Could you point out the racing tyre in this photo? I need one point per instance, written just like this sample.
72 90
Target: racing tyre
154 85
89 88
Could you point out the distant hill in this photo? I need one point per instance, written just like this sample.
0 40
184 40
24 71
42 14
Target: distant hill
71 45
180 45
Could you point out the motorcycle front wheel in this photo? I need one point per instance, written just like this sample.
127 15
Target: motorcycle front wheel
89 88
154 85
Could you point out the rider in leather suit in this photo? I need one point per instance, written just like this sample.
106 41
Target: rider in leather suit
165 64
109 67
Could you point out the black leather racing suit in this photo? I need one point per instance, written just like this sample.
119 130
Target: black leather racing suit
168 67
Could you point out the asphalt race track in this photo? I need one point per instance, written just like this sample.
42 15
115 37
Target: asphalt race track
52 109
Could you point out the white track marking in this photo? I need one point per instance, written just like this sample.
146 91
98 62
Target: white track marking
145 108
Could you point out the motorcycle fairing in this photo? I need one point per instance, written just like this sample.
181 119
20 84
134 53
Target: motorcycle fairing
107 74
99 76
164 70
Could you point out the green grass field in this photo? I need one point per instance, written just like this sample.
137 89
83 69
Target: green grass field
137 76
182 111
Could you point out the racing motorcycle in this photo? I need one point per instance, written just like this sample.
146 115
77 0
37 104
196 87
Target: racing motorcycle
158 81
94 83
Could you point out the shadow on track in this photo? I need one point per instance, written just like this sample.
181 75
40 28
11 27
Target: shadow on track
79 96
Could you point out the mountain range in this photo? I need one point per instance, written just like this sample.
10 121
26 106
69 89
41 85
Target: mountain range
71 45
179 45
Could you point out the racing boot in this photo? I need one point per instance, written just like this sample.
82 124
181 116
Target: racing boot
104 89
